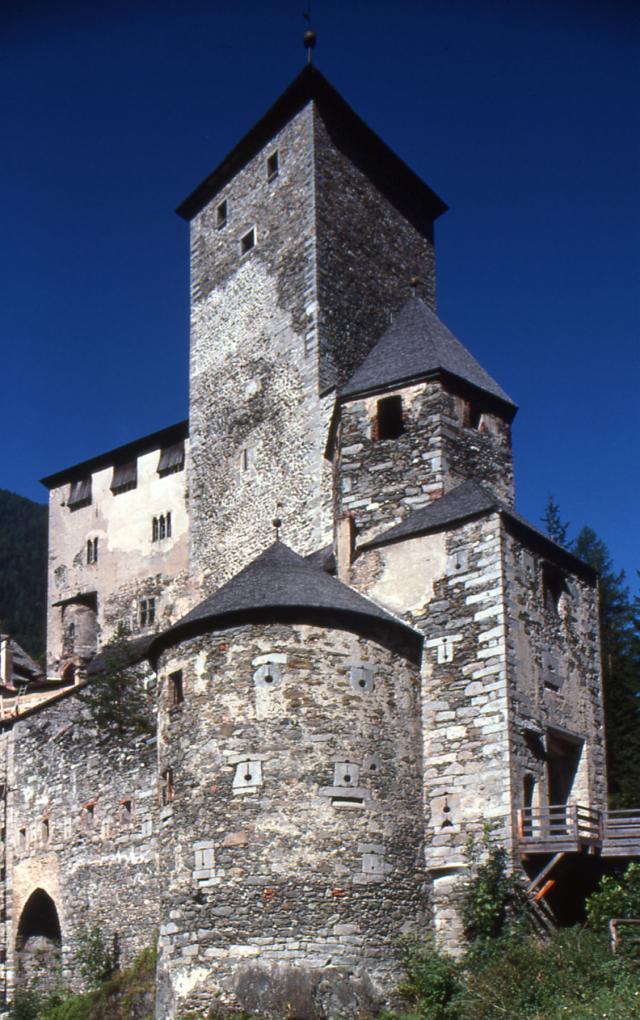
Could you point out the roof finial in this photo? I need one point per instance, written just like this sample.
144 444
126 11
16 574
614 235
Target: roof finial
277 522
309 36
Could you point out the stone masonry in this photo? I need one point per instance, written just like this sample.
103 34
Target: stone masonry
336 711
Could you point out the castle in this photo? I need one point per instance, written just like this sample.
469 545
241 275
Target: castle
342 698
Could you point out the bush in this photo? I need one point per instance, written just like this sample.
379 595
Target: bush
615 897
571 975
96 960
432 979
490 898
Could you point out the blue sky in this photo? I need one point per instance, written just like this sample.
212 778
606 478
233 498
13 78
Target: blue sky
523 116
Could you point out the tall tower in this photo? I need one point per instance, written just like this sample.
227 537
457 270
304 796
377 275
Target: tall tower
303 241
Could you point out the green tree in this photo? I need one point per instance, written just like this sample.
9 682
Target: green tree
620 636
555 527
116 695
23 570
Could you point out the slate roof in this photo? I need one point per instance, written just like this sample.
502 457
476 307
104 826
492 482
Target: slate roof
348 131
280 579
470 500
146 444
416 345
465 501
129 654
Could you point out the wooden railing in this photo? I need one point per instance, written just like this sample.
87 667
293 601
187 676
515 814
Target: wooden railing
621 833
567 827
559 826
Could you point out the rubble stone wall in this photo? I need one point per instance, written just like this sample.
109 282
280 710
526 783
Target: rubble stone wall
257 423
379 482
555 679
294 836
82 813
367 254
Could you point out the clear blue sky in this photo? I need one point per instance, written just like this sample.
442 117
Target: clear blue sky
523 116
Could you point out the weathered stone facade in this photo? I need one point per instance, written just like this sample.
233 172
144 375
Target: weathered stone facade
297 809
332 723
108 555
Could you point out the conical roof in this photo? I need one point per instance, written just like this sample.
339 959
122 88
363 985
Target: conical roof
280 579
417 344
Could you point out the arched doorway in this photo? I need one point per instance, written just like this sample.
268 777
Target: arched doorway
38 943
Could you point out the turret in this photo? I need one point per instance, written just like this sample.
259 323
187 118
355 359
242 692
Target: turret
416 419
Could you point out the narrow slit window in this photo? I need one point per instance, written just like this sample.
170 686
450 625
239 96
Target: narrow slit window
553 587
166 787
273 166
92 550
176 689
126 811
248 241
168 520
389 420
222 214
473 416
22 837
44 830
162 527
155 530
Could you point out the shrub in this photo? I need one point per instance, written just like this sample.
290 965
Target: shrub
490 898
615 897
431 979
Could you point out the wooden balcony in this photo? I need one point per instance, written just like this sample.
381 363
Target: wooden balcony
559 828
569 828
621 834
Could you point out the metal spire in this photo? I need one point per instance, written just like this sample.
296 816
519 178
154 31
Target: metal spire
310 37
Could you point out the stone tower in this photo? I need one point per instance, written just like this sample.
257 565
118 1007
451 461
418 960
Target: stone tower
325 745
303 243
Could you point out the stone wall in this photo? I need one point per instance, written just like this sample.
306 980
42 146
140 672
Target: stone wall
367 254
555 678
82 818
379 482
130 565
294 836
257 423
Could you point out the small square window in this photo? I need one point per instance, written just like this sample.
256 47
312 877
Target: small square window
221 215
273 166
248 241
389 421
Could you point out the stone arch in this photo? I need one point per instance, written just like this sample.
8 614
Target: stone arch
38 943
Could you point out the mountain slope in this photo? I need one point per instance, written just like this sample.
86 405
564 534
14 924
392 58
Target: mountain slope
23 570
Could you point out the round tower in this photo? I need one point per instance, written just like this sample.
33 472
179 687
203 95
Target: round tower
290 780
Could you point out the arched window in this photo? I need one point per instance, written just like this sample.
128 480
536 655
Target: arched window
39 943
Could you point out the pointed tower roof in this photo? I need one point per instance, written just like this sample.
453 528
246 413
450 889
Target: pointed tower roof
417 345
282 582
349 132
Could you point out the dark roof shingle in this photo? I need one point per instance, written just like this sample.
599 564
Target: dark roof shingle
281 579
467 500
417 344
